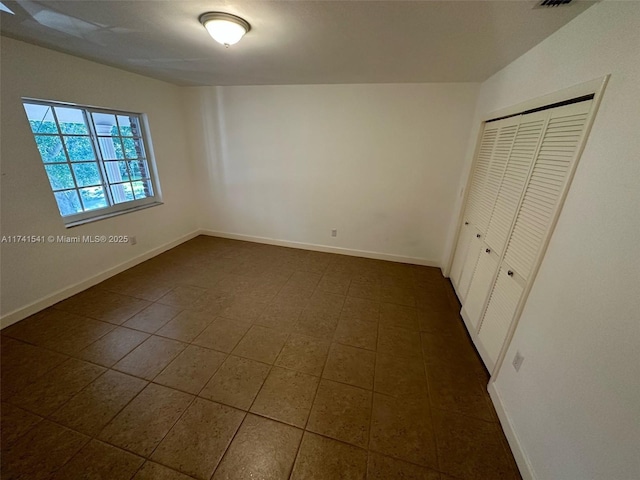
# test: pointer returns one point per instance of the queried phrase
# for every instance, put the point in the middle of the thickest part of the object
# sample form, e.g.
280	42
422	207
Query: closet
522	169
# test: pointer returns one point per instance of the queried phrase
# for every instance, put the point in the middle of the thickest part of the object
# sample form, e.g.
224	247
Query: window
97	160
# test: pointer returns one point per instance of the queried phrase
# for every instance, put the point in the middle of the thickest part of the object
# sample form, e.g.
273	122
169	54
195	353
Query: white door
545	187
479	289
495	146
501	308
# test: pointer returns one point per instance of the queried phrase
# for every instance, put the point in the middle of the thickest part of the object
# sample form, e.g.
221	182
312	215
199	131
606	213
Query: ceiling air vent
552	3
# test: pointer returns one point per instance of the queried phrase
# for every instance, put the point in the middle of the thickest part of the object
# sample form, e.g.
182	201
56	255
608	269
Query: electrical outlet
133	240
517	361
334	233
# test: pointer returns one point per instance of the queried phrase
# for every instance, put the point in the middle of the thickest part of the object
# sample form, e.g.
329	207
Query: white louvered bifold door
546	185
525	148
501	308
544	189
470	261
484	187
480	285
479	174
462	248
472	208
515	150
506	133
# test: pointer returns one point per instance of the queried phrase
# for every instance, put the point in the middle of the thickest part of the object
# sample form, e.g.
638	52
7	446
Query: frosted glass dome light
225	28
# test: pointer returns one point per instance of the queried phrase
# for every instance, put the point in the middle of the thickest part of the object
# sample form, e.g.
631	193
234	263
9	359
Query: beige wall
575	404
379	163
30	273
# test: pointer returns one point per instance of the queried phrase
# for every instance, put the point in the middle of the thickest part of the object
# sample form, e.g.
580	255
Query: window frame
113	209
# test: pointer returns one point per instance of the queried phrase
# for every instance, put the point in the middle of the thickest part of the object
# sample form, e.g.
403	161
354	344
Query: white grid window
97	160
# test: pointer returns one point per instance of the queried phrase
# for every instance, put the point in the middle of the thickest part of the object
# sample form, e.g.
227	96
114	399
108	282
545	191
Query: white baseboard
324	248
524	465
34	307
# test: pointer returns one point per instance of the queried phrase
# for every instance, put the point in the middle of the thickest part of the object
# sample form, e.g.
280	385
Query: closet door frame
594	87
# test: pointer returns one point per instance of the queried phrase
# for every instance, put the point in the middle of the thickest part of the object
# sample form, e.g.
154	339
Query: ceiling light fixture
225	28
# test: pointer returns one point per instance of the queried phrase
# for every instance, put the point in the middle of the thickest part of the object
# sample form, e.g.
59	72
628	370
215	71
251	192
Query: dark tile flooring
233	360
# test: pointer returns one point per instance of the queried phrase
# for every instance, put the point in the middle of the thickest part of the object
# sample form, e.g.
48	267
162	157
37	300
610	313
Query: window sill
111	214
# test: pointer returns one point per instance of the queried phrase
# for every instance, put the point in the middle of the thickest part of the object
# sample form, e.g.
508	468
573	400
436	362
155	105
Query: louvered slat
501	151
480	286
545	186
479	173
513	181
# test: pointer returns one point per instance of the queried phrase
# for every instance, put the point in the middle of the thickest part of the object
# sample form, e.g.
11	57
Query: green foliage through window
93	159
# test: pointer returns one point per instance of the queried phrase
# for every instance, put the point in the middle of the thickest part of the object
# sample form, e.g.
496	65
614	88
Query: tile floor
233	360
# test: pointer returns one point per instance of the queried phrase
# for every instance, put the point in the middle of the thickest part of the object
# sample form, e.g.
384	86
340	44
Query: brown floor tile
434	299
155	471
286	396
351	365
399	316
400	376
222	335
472	449
237	382
91	409
322	458
399	342
401	428
186	326
357	333
113	346
280	317
292	298
328	302
261	344
317	323
244	309
191	370
304	354
197	442
150	358
38	454
99	460
361	309
342	412
213	302
103	305
459	392
398	295
23	364
262	448
152	318
364	291
60	331
441	322
305	279
381	467
145	421
182	296
138	288
294	316
332	283
60	384
15	422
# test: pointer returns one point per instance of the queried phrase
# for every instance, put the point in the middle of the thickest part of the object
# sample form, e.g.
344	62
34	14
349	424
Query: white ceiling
294	42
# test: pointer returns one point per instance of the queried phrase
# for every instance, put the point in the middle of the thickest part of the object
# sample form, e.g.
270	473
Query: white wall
380	163
33	272
575	404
